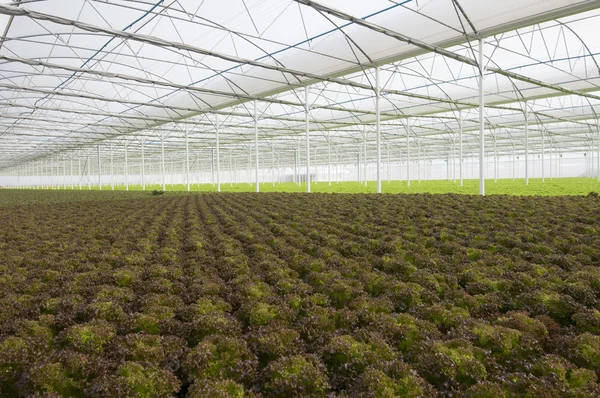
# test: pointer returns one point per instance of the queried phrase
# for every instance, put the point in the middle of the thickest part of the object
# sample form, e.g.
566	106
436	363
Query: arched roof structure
81	75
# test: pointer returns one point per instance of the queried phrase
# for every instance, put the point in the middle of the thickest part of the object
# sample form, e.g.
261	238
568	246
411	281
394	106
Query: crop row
281	295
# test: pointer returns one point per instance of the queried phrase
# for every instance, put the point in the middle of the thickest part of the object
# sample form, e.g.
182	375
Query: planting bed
281	295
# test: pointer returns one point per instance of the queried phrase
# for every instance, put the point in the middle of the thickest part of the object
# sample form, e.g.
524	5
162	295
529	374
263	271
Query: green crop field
297	295
555	187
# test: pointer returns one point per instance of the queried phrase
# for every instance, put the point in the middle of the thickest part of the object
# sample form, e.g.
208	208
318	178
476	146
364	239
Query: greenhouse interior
298	198
103	94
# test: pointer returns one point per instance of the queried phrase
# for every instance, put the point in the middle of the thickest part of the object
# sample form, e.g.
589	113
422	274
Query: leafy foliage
244	295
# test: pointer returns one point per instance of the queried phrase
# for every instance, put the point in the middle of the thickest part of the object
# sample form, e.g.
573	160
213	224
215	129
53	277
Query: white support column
249	173
187	160
378	127
126	171
419	160
453	154
598	147
593	155
526	113
460	138
306	110
329	158
198	169
481	111
296	179
495	159
514	160
72	176
389	164
112	176
358	166
273	163
99	171
143	171
543	157
218	144
551	156
278	166
212	166
232	171
338	166
89	166
365	178
407	154
162	167
172	173
79	171
256	164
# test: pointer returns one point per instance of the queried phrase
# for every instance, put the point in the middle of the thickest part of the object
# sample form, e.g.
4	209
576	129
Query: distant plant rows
18	197
279	295
550	187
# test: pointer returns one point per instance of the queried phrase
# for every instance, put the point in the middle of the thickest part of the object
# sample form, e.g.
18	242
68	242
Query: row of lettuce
277	295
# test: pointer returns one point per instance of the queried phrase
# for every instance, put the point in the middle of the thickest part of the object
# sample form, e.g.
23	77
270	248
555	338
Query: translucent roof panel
99	71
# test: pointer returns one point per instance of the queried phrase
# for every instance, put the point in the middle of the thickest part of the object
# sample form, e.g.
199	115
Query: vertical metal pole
72	176
378	127
419	160
143	168
590	158
212	166
389	164
543	157
481	110
598	147
526	144
453	155
79	171
99	171
306	109
514	171
315	168
198	169
273	163
249	173
407	154
296	167
279	166
337	166
256	147
172	173
187	161
89	166
460	136
365	167
126	171
551	156
329	158
495	159
112	177
232	172
218	143
533	164
358	166
162	162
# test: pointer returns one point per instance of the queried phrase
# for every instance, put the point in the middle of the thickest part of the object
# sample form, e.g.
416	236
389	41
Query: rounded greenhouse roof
91	73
